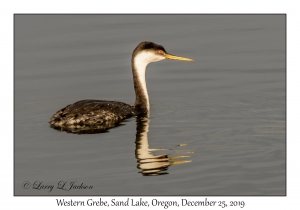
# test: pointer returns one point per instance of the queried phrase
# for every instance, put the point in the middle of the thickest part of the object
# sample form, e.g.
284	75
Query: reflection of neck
142	145
149	163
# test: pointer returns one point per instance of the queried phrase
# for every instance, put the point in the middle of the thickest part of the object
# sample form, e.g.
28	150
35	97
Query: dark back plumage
91	116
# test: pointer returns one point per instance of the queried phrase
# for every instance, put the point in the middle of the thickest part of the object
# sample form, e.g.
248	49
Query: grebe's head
147	52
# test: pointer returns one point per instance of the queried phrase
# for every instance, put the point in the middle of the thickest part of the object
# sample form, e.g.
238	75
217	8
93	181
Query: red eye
160	52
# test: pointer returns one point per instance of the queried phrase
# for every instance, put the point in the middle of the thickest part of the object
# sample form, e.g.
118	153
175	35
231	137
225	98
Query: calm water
217	125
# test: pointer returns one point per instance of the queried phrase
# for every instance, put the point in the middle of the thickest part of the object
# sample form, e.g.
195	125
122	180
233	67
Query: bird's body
95	115
88	115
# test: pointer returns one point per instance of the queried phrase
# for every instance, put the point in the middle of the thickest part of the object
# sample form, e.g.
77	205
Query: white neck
140	66
140	63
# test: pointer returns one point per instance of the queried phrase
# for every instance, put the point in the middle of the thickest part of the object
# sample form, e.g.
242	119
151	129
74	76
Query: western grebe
88	115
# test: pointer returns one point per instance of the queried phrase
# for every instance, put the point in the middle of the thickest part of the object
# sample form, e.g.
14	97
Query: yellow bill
174	57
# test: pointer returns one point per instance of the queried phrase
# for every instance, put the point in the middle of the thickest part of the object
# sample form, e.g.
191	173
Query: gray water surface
217	125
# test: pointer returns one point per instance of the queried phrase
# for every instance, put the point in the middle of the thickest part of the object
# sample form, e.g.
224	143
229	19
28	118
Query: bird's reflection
149	163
